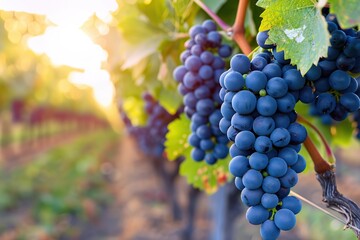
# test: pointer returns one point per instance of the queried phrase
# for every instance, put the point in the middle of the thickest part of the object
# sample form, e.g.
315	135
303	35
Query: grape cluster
333	88
259	97
356	115
151	137
203	63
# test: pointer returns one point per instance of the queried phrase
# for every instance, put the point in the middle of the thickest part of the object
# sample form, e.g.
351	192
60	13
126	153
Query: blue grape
276	87
269	231
242	122
263	126
257	214
255	81
271	184
252	179
263	144
269	200
285	219
261	38
251	197
266	106
238	166
291	203
277	167
240	63
258	161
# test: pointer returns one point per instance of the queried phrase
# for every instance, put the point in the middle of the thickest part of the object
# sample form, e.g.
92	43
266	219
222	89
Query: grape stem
213	15
334	200
238	29
321	166
329	153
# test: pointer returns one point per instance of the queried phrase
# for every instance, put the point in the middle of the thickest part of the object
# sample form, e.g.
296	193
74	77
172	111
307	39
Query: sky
66	44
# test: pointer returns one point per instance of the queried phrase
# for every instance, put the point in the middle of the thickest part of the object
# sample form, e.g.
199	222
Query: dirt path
141	210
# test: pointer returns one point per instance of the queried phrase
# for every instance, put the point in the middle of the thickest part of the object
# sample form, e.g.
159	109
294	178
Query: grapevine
203	62
246	107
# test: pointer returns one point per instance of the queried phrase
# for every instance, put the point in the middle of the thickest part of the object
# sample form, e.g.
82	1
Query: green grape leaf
346	11
134	108
203	176
298	28
170	100
199	174
182	8
214	5
176	144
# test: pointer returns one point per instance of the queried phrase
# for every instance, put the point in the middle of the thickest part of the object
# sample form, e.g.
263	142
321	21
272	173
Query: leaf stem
321	166
238	29
213	15
329	153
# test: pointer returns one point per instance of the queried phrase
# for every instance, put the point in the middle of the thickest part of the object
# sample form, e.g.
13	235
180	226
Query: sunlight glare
68	46
65	12
100	81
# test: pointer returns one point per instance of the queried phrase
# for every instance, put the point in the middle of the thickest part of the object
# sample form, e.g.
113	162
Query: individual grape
327	67
272	70
252	179
245	140
280	137
285	219
289	179
255	81
263	126
338	39
294	79
266	106
240	63
271	184
197	154
325	103
314	73
238	166
238	183
269	231
258	161
257	214
234	81
286	103
261	38
277	167
350	101
276	87
291	203
263	144
244	102
269	200
297	132
280	57
339	80
306	95
251	197
225	51
345	63
289	155
258	63
242	122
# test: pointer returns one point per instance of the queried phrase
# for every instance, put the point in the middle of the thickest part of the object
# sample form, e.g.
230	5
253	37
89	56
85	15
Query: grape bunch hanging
258	116
203	63
151	137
